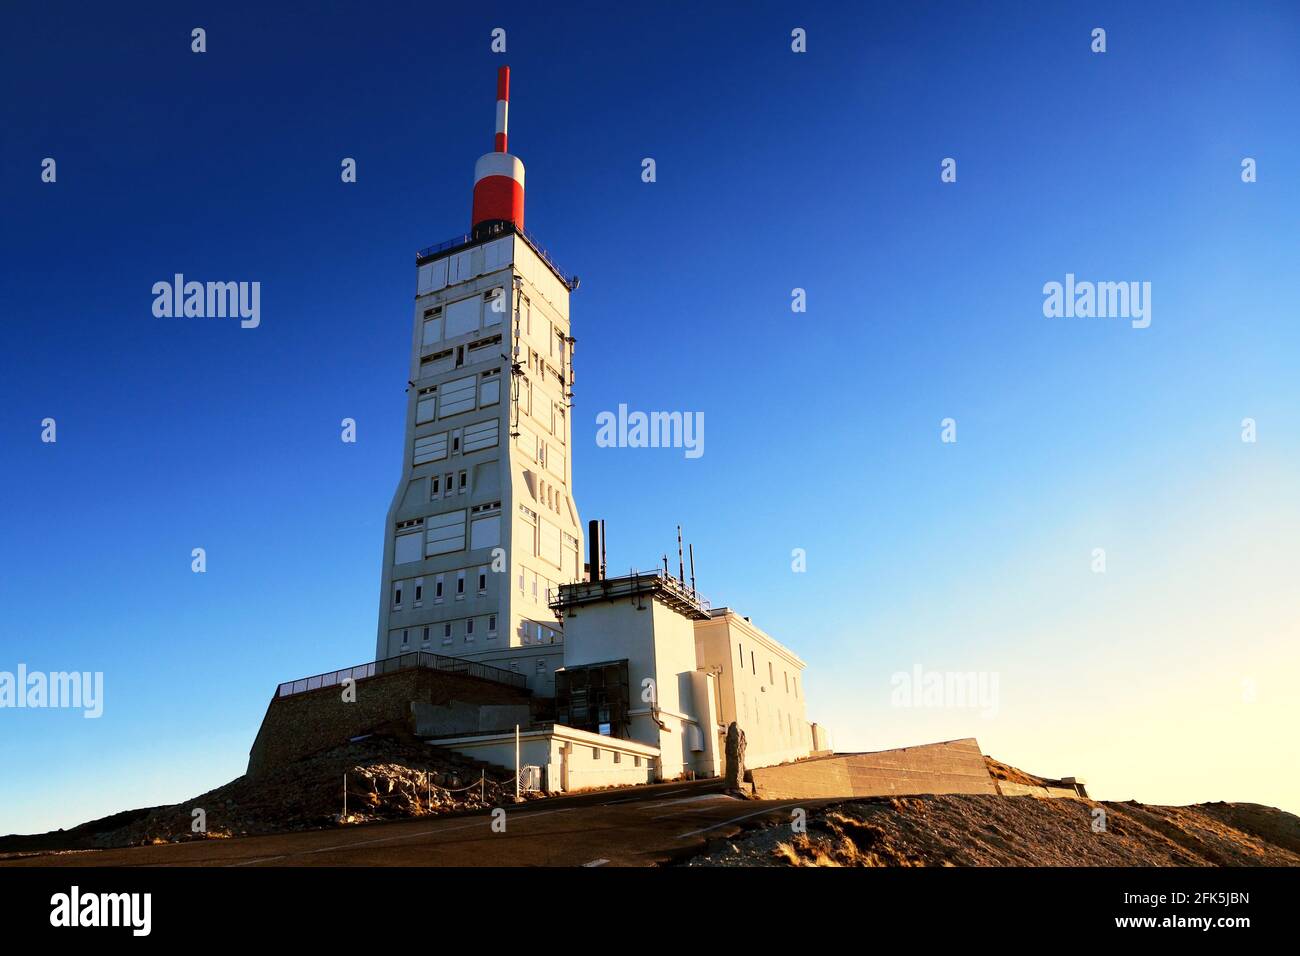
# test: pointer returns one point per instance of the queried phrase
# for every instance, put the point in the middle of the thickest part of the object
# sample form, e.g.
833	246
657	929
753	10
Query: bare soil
987	830
388	778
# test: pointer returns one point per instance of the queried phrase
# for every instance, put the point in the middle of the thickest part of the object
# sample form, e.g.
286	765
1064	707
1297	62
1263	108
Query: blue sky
775	170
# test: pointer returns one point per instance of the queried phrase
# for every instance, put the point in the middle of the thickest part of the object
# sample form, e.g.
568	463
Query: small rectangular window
469	628
446	632
460	583
492	623
437	588
595	753
482	581
397	595
435	486
419	593
406	636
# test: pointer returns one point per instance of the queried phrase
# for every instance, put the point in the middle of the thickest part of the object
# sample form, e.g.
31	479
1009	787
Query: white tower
483	522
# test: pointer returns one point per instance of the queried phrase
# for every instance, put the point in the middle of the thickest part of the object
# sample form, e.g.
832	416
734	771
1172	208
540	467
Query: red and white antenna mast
498	176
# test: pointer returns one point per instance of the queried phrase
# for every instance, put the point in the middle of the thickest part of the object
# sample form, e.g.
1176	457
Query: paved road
613	828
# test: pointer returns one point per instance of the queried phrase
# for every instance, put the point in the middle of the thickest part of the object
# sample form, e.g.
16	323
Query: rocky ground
394	777
388	778
986	830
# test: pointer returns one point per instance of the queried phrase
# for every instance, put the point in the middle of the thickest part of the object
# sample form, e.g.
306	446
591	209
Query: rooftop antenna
498	176
691	548
681	570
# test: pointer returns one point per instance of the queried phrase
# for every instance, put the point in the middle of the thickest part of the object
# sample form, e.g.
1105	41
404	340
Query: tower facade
483	523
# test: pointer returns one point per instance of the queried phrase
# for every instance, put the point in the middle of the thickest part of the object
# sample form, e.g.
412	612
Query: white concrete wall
659	645
605	762
763	693
710	763
674	650
572	759
508	471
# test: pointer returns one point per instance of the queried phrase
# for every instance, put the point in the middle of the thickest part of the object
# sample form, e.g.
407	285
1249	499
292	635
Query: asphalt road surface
641	827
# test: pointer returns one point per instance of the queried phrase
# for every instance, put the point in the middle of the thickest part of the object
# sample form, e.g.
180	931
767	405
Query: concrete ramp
954	766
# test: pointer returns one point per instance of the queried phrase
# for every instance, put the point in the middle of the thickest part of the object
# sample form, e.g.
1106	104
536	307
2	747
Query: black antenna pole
681	570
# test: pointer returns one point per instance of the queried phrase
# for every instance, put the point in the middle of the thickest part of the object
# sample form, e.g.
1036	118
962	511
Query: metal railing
492	232
390	665
682	590
633	583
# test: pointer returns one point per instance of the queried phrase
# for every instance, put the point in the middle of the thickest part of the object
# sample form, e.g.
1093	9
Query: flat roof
468	240
655	585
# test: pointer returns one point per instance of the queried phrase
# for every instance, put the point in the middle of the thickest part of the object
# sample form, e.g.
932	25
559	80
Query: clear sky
1170	678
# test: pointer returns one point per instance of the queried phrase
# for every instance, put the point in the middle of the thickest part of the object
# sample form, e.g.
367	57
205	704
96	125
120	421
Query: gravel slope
985	830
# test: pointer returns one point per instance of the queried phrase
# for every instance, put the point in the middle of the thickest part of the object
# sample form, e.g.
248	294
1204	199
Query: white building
760	687
691	671
652	678
483	523
483	550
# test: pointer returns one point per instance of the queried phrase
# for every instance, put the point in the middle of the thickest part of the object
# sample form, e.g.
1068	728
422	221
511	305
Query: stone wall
461	717
955	766
317	720
1009	789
